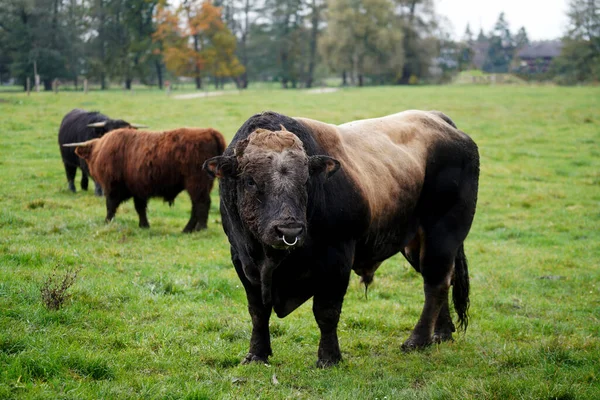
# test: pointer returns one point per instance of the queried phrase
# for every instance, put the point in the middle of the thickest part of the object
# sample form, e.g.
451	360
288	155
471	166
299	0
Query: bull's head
272	171
103	127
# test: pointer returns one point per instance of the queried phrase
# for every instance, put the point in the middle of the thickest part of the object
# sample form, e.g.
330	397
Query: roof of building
542	49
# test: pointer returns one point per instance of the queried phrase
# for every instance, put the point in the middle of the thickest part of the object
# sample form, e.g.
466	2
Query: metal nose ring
289	244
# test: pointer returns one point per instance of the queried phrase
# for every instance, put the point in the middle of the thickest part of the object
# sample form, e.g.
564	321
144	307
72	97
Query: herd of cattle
303	203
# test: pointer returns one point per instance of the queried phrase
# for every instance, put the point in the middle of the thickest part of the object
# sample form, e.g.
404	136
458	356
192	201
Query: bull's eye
250	182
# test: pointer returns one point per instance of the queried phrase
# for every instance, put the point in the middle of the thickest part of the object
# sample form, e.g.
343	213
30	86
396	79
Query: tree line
294	42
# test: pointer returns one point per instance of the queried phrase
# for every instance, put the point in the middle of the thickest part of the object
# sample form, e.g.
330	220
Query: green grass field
160	314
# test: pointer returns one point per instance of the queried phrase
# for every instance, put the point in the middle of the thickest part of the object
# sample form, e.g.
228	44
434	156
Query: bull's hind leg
443	326
71	171
141	206
436	265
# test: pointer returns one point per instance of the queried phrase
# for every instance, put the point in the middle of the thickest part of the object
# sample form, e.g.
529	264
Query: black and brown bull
304	202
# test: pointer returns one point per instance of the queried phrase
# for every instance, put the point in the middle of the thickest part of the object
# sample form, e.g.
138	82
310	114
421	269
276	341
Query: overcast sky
543	19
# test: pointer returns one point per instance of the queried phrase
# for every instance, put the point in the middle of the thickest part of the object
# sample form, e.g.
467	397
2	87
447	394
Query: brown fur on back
385	157
155	163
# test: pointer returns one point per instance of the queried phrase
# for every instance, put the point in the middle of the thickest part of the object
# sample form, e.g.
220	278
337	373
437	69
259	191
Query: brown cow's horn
80	144
97	124
138	126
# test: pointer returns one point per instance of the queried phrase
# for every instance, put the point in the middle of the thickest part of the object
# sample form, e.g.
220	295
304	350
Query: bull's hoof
99	193
72	188
325	363
439	337
253	358
415	343
144	226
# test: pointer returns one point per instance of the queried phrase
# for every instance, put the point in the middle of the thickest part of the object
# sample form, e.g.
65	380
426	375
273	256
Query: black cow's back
74	129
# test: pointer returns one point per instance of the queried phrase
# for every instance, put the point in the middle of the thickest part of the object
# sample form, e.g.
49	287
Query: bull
130	163
79	126
303	203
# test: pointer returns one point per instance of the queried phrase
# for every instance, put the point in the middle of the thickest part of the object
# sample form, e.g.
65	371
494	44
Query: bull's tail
460	289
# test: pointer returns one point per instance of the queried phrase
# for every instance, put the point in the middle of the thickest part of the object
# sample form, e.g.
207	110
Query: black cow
80	126
304	202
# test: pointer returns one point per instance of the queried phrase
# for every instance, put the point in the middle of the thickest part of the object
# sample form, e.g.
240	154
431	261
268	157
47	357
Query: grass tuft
55	288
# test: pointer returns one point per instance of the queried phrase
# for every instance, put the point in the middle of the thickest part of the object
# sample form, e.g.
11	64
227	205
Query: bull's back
158	164
386	157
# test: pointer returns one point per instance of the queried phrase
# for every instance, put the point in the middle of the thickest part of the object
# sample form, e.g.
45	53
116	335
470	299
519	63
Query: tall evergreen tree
521	38
580	57
502	47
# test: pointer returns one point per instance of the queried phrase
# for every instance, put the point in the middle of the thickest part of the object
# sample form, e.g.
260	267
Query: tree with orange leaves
201	43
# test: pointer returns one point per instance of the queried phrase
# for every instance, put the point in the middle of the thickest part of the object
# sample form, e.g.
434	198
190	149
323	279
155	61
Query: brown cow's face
272	171
86	152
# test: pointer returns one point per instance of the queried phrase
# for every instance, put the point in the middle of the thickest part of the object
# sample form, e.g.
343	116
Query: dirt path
322	90
198	95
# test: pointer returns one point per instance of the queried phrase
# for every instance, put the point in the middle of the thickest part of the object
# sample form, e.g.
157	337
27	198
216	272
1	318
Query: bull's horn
139	126
97	124
80	144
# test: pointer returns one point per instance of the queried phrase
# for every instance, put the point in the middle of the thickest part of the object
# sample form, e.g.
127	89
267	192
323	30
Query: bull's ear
221	166
85	151
323	164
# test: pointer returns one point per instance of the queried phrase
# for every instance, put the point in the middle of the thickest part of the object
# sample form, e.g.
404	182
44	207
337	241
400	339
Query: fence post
85	86
28	86
55	86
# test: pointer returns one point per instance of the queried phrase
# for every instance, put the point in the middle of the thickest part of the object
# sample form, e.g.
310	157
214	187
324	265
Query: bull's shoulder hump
326	135
388	157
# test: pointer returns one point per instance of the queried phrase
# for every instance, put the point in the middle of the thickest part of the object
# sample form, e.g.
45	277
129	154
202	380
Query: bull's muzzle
290	234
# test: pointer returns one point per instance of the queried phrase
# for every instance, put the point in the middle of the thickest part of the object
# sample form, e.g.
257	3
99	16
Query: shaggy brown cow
304	202
131	163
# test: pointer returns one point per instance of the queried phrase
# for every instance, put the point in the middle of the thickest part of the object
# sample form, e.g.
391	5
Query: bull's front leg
327	303
327	314
260	341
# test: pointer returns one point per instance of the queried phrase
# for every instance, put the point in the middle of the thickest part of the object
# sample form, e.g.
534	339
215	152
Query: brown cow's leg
112	203
203	209
200	208
140	207
98	189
